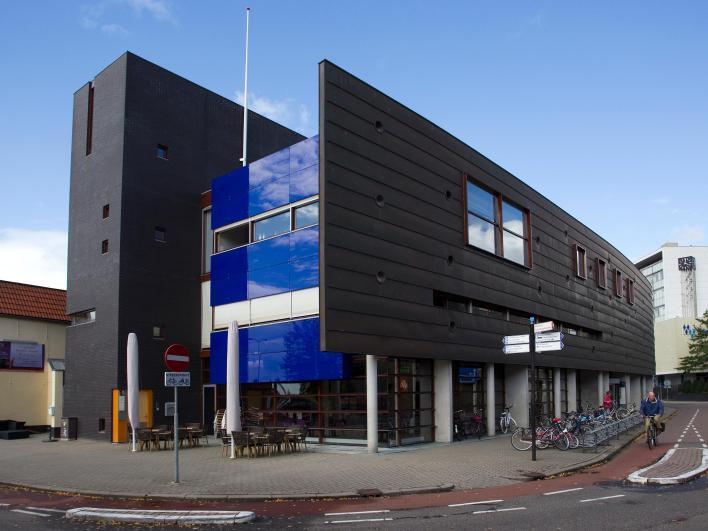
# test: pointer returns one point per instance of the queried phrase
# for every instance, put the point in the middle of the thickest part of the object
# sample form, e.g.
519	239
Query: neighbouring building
145	144
678	275
32	338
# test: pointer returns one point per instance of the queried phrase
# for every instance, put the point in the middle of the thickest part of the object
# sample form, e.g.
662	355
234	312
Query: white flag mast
245	94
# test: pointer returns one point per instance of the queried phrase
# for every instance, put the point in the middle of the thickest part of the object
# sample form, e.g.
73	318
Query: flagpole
245	94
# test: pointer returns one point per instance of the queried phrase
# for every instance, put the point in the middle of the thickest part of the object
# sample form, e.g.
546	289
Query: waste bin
69	428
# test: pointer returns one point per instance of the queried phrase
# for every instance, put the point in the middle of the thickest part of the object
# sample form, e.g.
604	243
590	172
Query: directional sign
549	336
515	340
177	379
177	358
543	327
549	345
516	349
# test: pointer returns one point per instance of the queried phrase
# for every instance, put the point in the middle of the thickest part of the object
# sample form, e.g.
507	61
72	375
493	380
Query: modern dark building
373	269
145	144
416	255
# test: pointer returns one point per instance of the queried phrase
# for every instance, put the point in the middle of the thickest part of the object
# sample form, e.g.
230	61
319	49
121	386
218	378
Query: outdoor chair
144	437
276	441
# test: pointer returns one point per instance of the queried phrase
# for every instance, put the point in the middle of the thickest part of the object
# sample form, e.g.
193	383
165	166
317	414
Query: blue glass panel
304	183
268	196
268	281
269	252
229	198
304	154
304	243
283	352
228	276
269	168
304	273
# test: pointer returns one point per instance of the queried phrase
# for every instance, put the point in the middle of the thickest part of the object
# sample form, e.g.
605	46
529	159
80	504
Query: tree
697	358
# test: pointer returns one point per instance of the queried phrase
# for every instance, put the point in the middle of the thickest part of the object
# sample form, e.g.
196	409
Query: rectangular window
618	282
232	238
481	217
89	121
514	244
161	151
104	247
87	316
581	266
158	331
601	273
208	241
106	211
630	291
306	215
160	234
271	226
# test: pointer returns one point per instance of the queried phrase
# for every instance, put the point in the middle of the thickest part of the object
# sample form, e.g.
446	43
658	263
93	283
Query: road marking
603	498
675	445
561	491
474	503
357	512
4	505
60	511
500	510
30	512
362	520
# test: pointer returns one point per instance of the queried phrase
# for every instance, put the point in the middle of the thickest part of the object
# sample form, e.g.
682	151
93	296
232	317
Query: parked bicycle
506	421
465	424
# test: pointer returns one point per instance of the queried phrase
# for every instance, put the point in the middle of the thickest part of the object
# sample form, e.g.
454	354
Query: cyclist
652	407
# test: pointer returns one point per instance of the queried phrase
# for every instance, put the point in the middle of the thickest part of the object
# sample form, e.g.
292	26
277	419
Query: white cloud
114	29
159	9
660	200
688	234
286	112
33	256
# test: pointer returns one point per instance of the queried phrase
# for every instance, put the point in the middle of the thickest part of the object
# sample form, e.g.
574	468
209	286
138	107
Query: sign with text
549	345
177	379
515	340
21	355
543	327
169	409
549	336
516	349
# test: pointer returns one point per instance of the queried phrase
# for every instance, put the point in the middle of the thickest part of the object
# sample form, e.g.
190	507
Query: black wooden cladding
392	226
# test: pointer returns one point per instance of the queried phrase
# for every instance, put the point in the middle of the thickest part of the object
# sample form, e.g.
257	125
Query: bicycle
506	421
465	425
652	433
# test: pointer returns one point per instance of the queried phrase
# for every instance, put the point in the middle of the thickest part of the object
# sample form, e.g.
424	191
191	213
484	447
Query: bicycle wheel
561	442
512	424
503	424
542	439
573	441
651	438
622	413
521	439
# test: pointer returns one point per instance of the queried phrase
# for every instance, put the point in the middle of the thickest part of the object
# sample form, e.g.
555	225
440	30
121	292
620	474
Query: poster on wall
21	355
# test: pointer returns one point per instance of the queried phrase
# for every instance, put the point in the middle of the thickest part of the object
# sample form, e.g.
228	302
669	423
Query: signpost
177	361
515	340
549	336
516	349
549	345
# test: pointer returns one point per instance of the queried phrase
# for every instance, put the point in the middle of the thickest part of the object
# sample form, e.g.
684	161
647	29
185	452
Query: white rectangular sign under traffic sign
543	327
550	345
515	340
516	349
177	379
549	336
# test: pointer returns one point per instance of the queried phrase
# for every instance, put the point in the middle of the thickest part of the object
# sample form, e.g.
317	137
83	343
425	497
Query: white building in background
679	279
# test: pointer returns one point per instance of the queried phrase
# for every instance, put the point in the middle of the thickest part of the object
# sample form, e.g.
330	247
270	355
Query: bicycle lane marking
562	491
603	498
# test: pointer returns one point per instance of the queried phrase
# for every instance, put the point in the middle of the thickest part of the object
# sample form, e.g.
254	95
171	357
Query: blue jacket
652	408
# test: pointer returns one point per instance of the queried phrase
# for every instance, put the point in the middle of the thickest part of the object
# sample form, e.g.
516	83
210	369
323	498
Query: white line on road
60	511
474	503
603	498
357	512
30	512
4	505
362	520
500	510
562	491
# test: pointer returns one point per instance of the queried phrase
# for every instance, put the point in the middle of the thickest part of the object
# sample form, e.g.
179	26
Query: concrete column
627	390
606	376
571	388
372	404
557	392
644	385
491	415
516	389
600	388
588	388
443	400
635	397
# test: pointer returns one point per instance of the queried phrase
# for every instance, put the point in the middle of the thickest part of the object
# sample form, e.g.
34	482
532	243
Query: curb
160	517
636	477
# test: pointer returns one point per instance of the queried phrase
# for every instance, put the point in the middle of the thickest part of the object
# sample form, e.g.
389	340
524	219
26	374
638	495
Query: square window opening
158	331
161	151
160	234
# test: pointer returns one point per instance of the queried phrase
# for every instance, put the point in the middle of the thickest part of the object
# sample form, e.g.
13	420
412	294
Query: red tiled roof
34	302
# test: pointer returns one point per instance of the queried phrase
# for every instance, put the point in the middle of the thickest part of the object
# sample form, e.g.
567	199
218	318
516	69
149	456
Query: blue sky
601	106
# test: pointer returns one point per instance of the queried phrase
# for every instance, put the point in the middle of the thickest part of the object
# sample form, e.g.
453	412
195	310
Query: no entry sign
177	358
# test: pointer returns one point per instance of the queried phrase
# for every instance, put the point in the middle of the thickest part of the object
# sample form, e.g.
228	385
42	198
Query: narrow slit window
161	151
106	211
89	121
630	291
160	234
601	273
618	282
581	266
104	247
514	233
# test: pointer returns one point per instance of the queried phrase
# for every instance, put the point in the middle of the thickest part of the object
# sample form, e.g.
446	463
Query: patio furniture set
162	437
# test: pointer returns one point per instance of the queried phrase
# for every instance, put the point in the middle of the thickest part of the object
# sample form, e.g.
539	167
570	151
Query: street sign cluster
546	340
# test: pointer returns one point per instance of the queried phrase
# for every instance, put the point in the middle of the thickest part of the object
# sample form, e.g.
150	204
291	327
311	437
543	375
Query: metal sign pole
532	339
176	440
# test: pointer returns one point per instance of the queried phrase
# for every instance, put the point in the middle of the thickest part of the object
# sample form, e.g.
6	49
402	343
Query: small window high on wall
630	291
601	273
581	266
618	282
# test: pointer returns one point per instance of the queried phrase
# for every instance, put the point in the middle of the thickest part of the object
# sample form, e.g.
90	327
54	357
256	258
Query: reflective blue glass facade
282	351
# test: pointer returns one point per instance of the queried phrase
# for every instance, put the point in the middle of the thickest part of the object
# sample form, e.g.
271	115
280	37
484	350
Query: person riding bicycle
652	407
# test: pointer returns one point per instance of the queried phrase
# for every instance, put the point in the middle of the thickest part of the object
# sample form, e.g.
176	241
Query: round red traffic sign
177	358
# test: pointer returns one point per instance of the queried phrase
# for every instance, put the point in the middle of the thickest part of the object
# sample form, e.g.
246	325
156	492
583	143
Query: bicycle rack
602	434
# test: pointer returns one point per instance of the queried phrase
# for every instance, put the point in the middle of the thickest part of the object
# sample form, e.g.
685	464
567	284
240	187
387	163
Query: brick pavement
98	467
680	461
